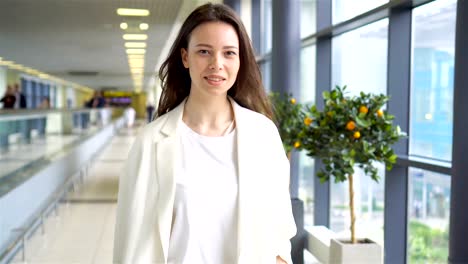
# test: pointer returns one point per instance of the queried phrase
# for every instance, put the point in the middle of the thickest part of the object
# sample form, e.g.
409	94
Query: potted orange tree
349	132
287	115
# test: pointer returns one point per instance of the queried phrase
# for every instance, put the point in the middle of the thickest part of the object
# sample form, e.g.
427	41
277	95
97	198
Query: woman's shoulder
151	130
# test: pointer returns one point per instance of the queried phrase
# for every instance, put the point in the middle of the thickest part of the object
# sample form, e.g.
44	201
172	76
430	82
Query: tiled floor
83	230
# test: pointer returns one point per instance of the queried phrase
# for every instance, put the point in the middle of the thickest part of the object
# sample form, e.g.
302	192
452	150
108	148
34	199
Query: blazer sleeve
286	225
131	226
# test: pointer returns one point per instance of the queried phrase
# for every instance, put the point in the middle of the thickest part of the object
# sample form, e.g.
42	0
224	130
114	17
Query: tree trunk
351	208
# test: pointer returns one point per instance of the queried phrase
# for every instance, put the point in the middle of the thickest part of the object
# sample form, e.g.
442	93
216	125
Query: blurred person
9	98
190	190
45	103
149	112
42	122
97	101
20	98
129	116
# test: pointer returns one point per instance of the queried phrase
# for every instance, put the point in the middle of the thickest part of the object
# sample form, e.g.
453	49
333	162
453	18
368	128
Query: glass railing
31	138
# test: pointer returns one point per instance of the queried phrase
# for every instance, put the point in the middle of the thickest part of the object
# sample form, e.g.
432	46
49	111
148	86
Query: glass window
359	59
308	62
306	164
308	17
265	68
368	205
267	26
361	66
431	119
428	211
345	9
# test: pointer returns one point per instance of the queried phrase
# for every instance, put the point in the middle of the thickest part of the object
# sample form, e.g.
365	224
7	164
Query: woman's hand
279	260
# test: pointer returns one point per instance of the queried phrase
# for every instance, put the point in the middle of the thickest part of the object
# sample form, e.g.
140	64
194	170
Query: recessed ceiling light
137	64
136	51
132	12
136	56
135	44
135	36
144	26
123	25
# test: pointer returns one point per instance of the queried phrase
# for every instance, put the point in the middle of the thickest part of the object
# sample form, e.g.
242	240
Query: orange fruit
293	101
357	135
363	109
351	125
297	144
307	121
380	113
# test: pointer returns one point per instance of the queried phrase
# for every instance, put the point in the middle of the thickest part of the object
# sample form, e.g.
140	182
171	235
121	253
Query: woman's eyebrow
209	46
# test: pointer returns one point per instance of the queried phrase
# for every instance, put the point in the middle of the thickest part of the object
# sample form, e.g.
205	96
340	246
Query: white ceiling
60	36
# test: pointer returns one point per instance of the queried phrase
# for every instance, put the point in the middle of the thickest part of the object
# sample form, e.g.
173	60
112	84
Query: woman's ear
184	55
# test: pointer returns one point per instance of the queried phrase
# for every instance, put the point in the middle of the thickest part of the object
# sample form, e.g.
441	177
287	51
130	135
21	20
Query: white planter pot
368	252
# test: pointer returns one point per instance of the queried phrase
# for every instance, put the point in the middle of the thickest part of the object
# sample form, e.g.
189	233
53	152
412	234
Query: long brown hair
247	90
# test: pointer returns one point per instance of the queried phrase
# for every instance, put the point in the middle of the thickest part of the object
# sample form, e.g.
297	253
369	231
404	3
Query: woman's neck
208	116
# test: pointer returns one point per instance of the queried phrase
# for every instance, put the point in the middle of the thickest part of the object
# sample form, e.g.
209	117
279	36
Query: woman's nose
216	63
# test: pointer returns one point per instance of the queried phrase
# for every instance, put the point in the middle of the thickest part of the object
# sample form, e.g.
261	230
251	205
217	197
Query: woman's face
212	58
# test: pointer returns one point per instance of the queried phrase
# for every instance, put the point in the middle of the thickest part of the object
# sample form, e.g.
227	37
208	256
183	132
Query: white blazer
147	190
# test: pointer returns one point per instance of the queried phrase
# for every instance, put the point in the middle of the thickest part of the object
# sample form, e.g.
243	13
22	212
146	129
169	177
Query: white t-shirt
204	225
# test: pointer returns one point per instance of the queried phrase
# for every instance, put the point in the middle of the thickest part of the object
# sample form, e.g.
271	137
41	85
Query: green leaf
326	95
362	122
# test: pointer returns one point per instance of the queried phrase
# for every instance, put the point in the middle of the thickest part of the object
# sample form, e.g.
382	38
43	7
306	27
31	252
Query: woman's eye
203	51
231	53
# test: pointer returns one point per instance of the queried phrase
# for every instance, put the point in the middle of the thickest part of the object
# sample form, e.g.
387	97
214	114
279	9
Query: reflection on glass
308	17
345	9
306	187
306	164
431	120
265	68
267	26
359	59
428	210
308	62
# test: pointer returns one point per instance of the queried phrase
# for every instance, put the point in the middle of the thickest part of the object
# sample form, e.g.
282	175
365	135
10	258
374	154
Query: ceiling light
135	56
123	26
132	12
135	44
137	64
135	36
136	61
144	26
141	59
136	51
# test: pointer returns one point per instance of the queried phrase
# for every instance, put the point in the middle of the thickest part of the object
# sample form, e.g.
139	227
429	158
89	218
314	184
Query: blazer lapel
167	155
245	163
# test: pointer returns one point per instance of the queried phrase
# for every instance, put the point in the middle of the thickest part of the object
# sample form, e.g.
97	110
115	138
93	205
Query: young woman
208	180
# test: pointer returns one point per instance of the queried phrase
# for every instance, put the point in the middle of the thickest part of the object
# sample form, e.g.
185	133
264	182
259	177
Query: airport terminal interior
79	80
